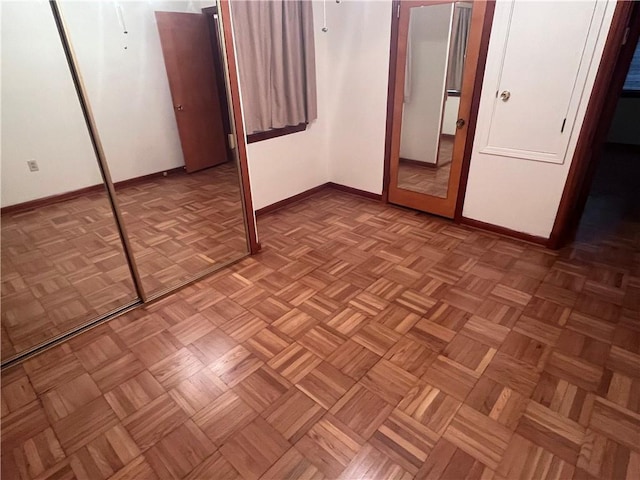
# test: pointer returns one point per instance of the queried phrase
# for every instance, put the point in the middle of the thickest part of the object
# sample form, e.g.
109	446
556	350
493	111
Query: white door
541	78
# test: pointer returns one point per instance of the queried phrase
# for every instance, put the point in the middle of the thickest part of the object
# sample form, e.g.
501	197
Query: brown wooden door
188	59
431	186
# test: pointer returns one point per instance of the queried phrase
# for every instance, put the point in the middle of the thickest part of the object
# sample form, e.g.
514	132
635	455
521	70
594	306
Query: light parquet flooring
427	179
365	341
63	264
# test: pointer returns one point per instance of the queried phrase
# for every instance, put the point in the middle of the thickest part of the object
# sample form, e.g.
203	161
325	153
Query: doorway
437	57
600	195
612	207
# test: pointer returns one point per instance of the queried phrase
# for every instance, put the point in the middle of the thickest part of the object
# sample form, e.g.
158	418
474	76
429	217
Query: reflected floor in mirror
62	264
183	224
427	178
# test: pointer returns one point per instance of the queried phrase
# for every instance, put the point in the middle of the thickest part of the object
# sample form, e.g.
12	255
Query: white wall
427	58
451	107
357	77
345	144
518	194
282	167
128	88
128	91
41	117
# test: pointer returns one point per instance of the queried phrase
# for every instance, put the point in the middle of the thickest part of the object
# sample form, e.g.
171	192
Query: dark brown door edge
393	54
475	104
225	13
477	88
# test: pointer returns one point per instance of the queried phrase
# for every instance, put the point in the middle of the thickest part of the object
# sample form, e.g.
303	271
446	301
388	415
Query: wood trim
151	176
418	163
53	199
288	201
224	13
276	132
506	232
355	191
391	88
308	193
475	106
600	109
218	64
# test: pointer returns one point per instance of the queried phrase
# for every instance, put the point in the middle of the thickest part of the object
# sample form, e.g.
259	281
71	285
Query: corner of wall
358	50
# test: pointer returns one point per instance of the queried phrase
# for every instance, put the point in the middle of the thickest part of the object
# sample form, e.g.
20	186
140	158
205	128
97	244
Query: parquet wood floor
429	180
365	341
63	264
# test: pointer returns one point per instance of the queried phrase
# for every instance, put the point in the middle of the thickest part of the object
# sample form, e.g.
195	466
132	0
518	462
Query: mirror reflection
436	48
155	83
153	72
63	262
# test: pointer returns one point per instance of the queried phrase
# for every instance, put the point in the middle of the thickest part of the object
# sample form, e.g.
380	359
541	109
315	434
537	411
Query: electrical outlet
33	165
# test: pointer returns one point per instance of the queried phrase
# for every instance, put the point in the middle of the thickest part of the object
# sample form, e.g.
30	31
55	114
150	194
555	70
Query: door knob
179	108
505	95
460	123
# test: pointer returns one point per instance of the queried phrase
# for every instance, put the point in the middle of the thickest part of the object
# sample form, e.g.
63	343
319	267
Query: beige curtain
276	60
458	49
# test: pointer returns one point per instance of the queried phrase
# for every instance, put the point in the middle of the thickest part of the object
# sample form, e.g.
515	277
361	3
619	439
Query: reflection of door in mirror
189	62
432	101
163	130
63	262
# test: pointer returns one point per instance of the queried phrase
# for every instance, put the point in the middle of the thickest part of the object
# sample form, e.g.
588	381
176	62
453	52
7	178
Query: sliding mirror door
153	75
63	262
438	48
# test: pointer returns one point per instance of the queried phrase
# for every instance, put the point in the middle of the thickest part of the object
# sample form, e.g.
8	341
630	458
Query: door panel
188	60
525	77
435	38
425	81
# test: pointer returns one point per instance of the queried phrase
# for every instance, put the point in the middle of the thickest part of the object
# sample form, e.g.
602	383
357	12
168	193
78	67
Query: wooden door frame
607	87
233	83
218	63
473	114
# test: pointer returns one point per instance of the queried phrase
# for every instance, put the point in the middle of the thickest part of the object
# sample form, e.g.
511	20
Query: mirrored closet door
435	76
63	261
119	184
153	76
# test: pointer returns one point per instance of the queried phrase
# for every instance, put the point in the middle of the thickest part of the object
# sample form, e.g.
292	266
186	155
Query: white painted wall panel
41	116
357	77
542	55
430	33
128	91
517	193
451	107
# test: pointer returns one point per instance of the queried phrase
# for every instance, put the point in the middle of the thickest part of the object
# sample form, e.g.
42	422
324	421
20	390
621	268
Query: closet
99	213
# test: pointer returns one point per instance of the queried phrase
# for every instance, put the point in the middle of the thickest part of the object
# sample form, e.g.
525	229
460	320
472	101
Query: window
632	82
276	60
458	48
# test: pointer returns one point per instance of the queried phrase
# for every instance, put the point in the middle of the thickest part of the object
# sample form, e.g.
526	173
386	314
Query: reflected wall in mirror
63	263
153	75
436	47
